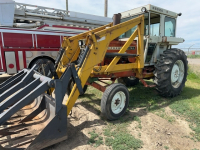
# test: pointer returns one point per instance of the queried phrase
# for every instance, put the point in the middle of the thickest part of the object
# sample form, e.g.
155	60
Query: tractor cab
159	30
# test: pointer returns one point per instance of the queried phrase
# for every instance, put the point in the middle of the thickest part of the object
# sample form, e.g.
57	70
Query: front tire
115	101
171	72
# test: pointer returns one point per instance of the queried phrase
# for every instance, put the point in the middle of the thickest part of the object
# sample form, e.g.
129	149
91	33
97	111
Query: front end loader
33	115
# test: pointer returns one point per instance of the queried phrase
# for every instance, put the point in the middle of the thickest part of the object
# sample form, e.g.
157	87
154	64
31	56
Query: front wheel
115	101
171	72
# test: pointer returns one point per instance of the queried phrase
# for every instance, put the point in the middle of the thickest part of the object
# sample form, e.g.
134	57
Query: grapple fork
29	114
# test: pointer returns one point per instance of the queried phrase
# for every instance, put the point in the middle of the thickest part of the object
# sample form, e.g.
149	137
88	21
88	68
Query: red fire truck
20	48
29	33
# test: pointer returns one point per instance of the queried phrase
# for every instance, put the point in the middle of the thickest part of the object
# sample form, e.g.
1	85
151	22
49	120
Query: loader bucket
29	117
36	126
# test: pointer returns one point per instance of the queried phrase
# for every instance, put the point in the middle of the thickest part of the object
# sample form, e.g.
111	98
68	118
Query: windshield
129	32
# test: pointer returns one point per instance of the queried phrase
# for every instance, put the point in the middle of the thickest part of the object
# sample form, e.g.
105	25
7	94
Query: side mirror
179	14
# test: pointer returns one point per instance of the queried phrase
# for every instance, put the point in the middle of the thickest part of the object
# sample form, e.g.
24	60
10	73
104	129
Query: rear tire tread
163	69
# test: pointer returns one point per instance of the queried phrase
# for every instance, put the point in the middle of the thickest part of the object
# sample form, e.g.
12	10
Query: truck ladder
45	15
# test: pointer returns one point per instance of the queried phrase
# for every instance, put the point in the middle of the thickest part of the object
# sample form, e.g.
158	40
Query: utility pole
67	5
106	8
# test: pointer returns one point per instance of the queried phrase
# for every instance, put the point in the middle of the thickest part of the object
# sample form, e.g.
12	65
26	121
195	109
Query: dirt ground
194	64
4	77
193	61
156	132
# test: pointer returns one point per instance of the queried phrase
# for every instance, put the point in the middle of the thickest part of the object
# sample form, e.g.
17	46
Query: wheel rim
118	102
177	73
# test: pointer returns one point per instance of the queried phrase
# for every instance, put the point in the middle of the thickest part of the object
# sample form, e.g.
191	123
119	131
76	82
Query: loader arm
72	49
98	41
28	94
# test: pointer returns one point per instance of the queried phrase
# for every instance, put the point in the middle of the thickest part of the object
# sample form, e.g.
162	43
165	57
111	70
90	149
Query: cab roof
150	8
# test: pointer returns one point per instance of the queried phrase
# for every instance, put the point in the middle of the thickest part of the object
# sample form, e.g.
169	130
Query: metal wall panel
18	40
1	62
10	62
21	61
46	41
7	10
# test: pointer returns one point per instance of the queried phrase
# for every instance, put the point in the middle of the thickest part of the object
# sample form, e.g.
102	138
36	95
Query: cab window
129	32
154	24
170	25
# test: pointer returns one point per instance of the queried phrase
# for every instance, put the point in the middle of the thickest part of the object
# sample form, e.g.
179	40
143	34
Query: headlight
143	9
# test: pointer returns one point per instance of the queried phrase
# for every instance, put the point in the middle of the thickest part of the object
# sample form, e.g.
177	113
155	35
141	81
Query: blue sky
187	26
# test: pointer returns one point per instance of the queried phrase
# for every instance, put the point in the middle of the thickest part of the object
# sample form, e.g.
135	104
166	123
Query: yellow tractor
136	46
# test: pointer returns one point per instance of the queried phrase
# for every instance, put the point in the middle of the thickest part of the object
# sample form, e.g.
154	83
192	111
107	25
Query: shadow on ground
146	99
76	137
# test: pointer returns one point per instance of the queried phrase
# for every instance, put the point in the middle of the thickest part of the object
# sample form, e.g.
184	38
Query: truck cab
159	31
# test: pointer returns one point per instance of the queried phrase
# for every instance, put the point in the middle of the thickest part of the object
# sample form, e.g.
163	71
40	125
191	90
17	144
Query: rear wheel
128	81
115	101
171	72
